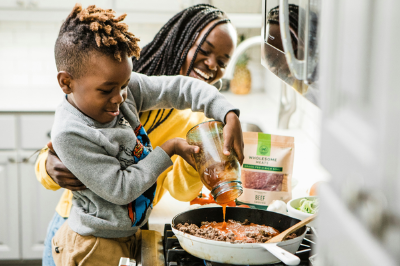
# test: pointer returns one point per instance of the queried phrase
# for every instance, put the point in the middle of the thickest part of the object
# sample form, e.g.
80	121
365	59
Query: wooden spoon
284	234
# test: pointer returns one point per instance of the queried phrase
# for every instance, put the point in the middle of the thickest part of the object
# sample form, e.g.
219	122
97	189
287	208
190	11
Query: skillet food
234	232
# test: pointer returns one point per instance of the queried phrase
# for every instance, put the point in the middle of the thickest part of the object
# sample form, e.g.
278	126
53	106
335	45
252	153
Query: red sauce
206	199
224	212
240	230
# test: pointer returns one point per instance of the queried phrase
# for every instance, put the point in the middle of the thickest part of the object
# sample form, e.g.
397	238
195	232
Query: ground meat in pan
238	232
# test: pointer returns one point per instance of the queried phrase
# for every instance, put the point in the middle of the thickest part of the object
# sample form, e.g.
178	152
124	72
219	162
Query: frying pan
234	253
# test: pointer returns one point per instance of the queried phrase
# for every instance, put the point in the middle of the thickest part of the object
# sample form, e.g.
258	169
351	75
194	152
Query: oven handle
297	67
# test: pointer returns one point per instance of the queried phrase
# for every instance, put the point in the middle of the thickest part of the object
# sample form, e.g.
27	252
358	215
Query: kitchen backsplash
27	53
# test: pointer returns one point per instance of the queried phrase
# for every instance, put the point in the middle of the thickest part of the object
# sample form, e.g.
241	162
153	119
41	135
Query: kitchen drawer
35	130
7	132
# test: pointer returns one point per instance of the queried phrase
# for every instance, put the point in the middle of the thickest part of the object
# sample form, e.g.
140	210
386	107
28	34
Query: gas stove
174	255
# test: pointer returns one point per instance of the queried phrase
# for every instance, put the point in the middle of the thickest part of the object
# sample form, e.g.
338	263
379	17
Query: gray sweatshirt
115	161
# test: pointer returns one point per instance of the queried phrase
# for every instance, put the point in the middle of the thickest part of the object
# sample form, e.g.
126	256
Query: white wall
27	57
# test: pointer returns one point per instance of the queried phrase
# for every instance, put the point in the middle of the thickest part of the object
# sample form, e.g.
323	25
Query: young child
98	136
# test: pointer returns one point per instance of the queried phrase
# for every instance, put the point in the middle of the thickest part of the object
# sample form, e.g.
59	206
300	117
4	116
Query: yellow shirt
180	180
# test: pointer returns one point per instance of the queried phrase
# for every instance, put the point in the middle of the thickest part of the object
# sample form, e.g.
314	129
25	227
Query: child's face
100	92
214	55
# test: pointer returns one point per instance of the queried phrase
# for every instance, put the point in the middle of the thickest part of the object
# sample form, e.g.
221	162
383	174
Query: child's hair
92	29
167	52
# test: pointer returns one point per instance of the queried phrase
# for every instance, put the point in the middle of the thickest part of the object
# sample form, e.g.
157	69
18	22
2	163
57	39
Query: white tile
36	25
34	66
49	38
7	66
40	53
50	67
46	80
7	37
28	38
13	52
14	80
13	25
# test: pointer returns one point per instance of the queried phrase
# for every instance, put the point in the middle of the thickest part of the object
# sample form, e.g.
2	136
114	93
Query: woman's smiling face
214	55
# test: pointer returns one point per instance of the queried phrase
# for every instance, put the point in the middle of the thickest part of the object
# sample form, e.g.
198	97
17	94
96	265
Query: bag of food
267	168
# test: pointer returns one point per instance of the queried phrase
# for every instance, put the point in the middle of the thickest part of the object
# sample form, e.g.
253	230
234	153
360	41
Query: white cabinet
8	132
37	208
9	202
35	131
26	207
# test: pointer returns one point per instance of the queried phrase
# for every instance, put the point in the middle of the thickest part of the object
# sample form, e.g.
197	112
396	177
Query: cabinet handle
20	3
24	160
33	3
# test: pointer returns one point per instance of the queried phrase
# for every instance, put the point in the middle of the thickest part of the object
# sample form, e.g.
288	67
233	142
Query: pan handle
285	256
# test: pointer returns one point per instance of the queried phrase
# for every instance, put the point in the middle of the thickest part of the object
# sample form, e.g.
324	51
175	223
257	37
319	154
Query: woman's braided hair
90	29
273	18
167	52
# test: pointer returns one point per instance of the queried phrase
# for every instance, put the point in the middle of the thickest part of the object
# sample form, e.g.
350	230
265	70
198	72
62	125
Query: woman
196	42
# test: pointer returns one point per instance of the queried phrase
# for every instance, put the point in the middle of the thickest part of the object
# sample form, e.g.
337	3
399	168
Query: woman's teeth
201	73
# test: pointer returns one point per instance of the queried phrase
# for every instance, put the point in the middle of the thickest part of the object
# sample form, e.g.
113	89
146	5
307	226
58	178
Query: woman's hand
233	137
180	147
59	173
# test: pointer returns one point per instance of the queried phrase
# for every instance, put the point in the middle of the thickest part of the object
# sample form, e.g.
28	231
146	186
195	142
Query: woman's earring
218	84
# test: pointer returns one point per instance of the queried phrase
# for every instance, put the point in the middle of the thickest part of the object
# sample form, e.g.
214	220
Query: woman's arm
41	173
179	92
52	173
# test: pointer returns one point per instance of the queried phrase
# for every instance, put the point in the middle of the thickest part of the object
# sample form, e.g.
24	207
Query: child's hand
233	137
180	147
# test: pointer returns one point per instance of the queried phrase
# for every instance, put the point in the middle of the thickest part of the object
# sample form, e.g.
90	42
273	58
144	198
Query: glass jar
218	172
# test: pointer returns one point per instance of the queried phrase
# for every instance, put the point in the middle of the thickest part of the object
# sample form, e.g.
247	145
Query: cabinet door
9	224
8	139
35	130
37	208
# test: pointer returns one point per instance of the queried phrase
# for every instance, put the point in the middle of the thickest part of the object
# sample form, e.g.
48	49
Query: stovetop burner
175	256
